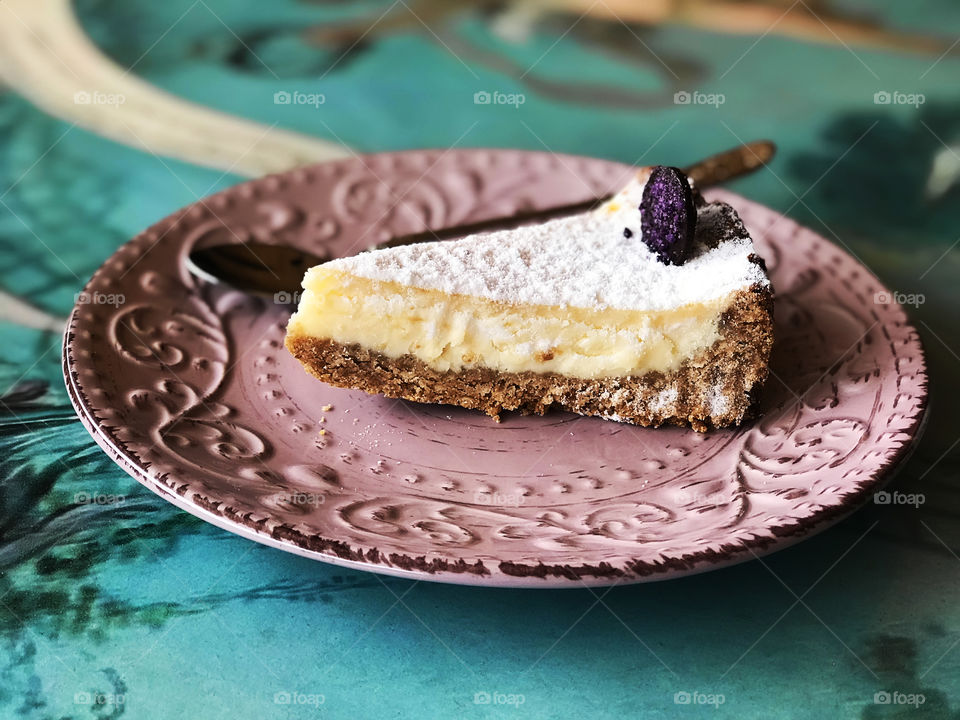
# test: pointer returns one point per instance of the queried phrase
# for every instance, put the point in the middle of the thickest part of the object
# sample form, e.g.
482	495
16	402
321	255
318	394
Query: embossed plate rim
781	536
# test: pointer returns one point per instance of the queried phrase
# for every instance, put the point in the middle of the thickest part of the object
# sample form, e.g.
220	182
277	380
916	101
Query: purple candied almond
668	216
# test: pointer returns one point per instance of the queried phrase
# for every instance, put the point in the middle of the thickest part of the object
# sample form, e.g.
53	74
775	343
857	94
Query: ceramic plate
188	387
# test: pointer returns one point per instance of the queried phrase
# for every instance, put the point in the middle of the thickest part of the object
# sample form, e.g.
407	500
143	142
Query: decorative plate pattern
188	387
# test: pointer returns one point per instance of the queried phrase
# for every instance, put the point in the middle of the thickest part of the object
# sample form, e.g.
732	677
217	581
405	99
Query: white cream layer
451	332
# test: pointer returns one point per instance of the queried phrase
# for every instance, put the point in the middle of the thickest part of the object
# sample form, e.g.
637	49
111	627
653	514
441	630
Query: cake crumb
327	408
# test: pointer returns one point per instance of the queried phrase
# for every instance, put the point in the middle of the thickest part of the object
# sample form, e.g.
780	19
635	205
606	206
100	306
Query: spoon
277	270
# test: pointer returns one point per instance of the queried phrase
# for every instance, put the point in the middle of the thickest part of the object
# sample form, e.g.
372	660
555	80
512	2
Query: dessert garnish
668	215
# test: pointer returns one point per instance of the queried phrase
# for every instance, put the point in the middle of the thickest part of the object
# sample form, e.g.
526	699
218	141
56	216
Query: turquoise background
135	608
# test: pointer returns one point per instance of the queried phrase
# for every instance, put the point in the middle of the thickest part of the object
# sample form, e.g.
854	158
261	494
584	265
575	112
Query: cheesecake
653	308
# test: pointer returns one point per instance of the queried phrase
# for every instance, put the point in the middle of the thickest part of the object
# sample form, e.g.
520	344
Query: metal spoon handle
731	164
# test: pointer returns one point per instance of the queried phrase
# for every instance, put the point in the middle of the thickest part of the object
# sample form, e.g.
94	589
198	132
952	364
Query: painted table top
113	601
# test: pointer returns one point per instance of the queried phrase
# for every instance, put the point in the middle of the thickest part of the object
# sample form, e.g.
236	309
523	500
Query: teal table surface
114	603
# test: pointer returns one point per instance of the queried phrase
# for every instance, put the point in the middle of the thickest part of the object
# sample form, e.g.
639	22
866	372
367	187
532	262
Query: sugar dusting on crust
718	402
580	261
664	400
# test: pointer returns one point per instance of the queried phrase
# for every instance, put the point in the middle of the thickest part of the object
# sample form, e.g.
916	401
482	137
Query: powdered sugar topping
581	261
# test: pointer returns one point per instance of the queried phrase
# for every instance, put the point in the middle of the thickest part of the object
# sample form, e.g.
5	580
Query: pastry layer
714	388
455	332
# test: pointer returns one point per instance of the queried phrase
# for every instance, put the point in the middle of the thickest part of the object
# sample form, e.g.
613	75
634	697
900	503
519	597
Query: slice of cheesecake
651	309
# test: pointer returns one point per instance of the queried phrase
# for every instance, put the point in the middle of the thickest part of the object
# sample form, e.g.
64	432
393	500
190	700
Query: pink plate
188	387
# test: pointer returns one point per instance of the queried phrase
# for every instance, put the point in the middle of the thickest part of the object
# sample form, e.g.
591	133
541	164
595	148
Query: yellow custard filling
451	332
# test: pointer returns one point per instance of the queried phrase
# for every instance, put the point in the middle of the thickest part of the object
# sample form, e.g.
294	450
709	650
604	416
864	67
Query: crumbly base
716	388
